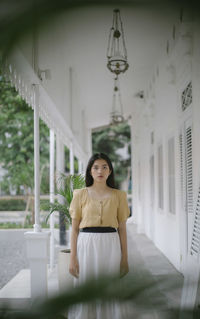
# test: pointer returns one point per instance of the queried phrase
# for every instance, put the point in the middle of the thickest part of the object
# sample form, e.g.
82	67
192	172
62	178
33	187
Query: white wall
161	113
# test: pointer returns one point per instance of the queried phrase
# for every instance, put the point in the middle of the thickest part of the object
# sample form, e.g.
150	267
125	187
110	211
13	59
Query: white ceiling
81	38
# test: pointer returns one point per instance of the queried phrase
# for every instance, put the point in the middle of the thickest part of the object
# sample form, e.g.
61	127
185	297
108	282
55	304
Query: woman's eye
96	167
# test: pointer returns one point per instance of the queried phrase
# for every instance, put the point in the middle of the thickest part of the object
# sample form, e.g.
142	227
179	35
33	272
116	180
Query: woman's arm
74	266
124	269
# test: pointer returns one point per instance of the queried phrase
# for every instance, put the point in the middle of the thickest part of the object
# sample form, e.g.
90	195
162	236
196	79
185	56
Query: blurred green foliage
17	143
12	205
139	293
66	184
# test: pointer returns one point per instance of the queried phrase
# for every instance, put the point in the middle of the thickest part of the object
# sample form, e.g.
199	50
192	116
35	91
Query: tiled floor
149	266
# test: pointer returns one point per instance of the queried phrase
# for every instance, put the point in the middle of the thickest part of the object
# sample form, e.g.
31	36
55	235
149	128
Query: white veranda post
80	171
60	157
71	158
36	226
37	240
52	195
132	170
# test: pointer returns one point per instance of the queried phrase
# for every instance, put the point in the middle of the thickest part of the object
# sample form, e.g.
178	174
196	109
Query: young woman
98	238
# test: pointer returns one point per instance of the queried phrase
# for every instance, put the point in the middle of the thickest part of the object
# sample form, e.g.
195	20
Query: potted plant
65	187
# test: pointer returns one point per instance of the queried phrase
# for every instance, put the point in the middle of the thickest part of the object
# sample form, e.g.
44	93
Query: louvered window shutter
160	177
189	179
181	164
171	176
139	182
152	179
195	245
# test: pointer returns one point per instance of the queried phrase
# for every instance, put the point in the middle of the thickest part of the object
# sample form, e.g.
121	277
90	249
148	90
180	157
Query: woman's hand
124	269
74	267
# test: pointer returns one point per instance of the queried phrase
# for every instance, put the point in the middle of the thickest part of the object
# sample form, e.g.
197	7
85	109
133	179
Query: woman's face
100	170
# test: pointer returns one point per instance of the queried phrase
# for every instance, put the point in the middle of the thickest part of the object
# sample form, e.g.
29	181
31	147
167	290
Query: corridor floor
148	266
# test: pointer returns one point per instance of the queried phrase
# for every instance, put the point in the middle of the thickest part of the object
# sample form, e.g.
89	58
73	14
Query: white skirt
97	253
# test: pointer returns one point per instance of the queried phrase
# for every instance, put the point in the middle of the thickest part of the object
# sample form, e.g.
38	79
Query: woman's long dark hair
89	179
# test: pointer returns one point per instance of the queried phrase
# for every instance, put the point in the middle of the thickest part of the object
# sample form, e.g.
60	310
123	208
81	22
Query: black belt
98	229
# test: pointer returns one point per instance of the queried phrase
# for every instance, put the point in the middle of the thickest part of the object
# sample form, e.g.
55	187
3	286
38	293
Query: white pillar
37	253
36	226
136	207
132	219
59	158
84	166
89	142
52	164
71	158
59	170
37	241
80	170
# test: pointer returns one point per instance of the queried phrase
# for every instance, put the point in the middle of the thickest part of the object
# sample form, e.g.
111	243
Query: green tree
17	142
110	140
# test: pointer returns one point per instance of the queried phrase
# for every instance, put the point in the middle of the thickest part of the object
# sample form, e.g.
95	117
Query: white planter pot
65	279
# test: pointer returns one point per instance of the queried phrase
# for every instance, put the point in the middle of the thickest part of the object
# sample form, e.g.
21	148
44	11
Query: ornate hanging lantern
117	107
116	52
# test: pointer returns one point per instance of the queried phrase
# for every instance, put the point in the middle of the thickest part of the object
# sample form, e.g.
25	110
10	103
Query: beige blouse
99	212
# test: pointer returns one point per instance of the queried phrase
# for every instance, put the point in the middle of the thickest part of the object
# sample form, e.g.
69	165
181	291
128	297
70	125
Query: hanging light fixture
117	107
116	52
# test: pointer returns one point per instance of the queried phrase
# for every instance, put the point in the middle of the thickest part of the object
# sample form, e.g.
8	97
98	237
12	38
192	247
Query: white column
52	164
84	166
37	241
36	226
59	170
71	158
132	219
59	158
80	170
89	141
136	207
37	253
